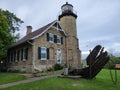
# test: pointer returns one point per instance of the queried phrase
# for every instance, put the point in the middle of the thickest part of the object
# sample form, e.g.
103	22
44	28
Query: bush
50	69
113	60
23	70
58	67
13	70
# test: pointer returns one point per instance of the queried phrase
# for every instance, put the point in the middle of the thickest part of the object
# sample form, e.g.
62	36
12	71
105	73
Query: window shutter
26	53
47	36
47	53
14	55
55	38
61	40
21	54
39	52
18	54
11	56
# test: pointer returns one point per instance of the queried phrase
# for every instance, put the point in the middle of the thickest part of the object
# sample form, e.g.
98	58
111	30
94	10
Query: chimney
29	29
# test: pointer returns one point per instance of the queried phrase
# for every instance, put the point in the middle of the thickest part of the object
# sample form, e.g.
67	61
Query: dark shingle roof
33	34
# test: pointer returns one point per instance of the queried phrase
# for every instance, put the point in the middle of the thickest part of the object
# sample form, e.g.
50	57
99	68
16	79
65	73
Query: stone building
55	42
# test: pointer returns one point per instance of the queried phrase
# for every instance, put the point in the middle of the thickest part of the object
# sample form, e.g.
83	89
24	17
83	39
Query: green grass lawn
101	82
10	77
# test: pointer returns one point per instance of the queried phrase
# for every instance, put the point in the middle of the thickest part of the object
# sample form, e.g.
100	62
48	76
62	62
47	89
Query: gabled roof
36	33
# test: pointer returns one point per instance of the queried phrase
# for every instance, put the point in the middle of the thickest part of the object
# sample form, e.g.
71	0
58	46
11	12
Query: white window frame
58	39
59	56
24	54
51	37
44	52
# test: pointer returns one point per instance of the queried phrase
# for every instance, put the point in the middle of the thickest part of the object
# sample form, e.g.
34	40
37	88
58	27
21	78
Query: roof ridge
44	26
33	34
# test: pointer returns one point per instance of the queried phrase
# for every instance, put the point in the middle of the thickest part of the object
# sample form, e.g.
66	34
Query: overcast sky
98	21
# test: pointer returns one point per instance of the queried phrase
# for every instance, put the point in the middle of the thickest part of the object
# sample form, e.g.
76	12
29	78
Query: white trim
44	52
59	56
56	28
59	37
30	42
44	31
24	59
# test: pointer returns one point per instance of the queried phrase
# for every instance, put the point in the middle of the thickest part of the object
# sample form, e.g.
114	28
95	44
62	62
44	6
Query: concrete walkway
26	81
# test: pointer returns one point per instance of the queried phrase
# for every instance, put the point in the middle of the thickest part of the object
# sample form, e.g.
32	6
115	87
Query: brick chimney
29	29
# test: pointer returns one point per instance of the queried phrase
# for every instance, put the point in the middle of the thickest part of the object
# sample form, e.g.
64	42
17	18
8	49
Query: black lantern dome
67	10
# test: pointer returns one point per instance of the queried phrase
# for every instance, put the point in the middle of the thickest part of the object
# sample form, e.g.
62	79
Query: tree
113	60
3	34
9	24
13	21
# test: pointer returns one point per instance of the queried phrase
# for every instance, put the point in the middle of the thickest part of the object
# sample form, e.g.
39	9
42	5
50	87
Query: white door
59	56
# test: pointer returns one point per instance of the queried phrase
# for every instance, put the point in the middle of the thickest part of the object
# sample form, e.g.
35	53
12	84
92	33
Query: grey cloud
98	21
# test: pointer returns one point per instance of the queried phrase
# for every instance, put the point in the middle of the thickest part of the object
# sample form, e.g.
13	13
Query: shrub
14	70
113	60
58	67
23	70
50	69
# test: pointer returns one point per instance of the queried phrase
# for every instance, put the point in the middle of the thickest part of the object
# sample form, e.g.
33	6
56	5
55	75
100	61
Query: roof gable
39	32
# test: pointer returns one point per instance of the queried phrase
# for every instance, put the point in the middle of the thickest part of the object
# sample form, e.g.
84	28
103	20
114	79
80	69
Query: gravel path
26	81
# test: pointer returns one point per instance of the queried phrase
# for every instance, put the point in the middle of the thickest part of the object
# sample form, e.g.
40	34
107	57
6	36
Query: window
10	57
54	38
24	54
21	54
50	37
43	53
59	56
16	56
58	39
